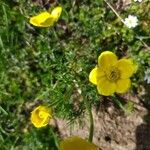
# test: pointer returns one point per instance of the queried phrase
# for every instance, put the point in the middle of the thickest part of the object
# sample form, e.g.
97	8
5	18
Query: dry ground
113	130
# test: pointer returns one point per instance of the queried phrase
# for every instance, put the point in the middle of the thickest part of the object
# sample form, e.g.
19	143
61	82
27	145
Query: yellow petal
40	116
44	19
123	85
76	143
45	121
56	12
43	114
105	87
35	119
48	22
100	72
95	74
126	67
107	59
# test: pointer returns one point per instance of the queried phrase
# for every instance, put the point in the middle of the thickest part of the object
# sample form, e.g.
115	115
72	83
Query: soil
113	129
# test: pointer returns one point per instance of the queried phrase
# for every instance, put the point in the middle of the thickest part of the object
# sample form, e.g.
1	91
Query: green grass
49	65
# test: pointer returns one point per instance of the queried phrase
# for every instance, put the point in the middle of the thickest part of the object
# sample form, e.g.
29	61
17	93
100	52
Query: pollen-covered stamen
113	74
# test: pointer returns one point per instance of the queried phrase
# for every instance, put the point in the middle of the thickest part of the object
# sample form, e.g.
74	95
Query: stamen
113	74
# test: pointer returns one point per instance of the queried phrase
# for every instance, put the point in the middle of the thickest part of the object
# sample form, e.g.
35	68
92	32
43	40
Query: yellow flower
76	143
41	116
112	75
46	19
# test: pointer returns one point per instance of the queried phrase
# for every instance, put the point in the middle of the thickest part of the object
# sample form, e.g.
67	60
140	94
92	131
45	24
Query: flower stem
55	138
114	11
89	108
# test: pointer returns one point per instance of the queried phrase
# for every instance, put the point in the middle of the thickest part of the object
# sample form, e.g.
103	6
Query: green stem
55	138
89	108
114	10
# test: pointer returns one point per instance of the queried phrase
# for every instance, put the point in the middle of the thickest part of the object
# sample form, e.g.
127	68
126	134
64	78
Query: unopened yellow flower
46	19
112	75
76	143
41	116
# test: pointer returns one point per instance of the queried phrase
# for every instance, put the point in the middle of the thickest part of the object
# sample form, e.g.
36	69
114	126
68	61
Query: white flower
147	76
138	0
131	21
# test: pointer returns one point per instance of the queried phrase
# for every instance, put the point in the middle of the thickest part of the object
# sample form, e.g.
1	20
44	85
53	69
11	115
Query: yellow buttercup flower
46	19
76	143
112	75
41	116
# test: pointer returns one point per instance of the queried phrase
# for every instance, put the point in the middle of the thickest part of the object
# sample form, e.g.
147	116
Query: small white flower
138	0
147	76
131	21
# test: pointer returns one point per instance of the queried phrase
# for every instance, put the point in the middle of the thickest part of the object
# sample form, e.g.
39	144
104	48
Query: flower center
113	74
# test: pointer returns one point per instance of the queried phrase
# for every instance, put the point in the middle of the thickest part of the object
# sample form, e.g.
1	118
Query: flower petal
56	12
40	116
95	74
35	119
76	143
48	22
126	67
45	121
107	59
123	85
44	19
105	87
